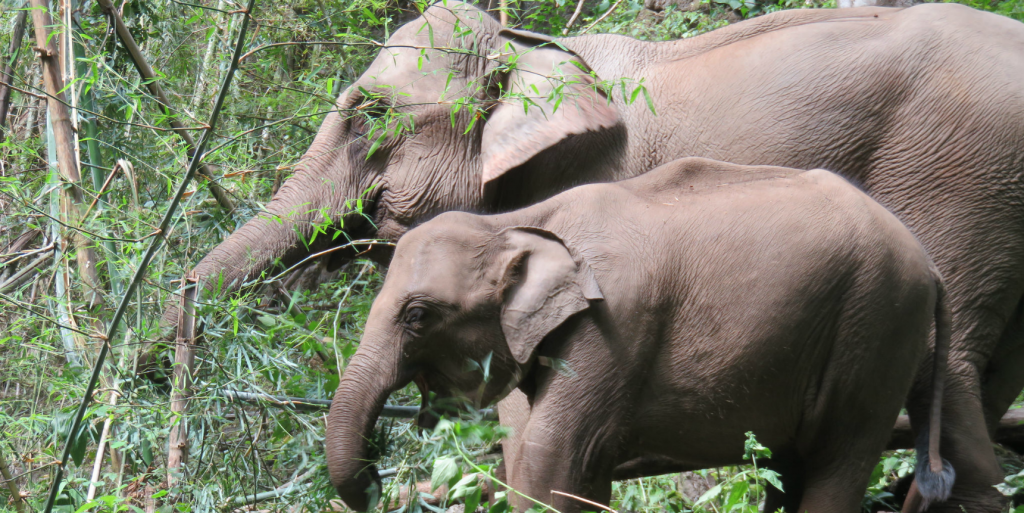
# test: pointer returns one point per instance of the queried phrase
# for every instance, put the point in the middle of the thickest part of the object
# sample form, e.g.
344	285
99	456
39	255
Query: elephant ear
550	95
542	286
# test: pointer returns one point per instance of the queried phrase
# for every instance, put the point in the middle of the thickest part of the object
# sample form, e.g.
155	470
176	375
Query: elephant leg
552	469
1003	379
966	445
790	469
836	475
513	413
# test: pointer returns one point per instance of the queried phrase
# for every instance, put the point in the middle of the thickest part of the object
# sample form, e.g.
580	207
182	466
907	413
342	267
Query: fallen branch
1009	432
150	78
25	273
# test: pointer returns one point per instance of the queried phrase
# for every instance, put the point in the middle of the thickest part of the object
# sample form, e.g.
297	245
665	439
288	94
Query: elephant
923	108
699	301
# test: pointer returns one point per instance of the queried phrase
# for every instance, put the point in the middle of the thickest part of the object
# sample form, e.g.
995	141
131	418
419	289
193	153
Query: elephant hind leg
791	472
966	445
1003	379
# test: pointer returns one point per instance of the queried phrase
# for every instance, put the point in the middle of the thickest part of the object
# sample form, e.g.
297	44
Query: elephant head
451	103
458	290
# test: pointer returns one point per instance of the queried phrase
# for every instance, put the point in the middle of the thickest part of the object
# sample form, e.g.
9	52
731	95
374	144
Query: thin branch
42	95
140	272
31	308
292	43
585	501
575	14
87	232
200	7
603	16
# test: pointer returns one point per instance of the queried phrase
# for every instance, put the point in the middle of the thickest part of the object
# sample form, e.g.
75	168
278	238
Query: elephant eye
416	318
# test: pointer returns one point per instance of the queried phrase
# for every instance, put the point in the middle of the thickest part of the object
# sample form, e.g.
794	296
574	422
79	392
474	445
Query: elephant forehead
442	267
411	75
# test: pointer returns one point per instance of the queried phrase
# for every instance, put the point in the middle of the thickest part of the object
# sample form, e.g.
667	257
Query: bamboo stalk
5	472
152	83
147	257
7	72
211	45
181	383
98	464
59	310
64	139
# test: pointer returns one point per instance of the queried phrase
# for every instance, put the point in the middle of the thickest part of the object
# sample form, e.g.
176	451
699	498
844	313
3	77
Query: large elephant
689	306
921	107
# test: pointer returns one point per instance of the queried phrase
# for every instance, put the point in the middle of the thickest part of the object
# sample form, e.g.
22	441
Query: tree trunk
64	137
7	72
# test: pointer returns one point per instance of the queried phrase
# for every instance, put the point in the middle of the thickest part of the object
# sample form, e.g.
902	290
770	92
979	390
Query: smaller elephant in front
665	316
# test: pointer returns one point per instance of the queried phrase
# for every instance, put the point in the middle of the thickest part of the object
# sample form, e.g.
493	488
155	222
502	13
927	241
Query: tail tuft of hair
933	486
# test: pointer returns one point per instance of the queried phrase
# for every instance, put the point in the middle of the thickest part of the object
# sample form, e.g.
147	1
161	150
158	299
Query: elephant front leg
567	468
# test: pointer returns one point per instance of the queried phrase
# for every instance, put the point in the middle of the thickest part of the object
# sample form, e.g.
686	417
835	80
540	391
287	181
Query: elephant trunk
368	381
282	234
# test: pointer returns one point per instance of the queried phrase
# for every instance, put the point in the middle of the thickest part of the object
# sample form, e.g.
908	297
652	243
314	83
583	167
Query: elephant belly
709	436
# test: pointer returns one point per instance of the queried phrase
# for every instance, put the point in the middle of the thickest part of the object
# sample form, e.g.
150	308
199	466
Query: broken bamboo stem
181	383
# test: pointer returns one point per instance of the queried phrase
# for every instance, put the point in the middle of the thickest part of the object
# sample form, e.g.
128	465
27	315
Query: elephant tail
935	475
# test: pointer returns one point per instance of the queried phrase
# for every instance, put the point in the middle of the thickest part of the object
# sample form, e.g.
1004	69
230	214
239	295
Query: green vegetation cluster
282	338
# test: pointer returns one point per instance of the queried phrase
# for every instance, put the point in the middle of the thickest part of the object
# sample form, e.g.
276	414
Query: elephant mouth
427	418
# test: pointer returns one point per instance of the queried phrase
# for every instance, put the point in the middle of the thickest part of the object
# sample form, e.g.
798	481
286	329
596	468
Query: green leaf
267	320
736	496
710	494
374	146
647	98
771	476
445	470
87	505
473	498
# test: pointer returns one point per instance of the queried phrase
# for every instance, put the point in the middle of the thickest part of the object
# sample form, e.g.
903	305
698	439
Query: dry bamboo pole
7	71
5	472
204	71
151	80
181	383
98	464
64	139
147	258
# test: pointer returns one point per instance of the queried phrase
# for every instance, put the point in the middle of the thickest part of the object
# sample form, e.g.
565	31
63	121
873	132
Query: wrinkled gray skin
923	108
691	305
